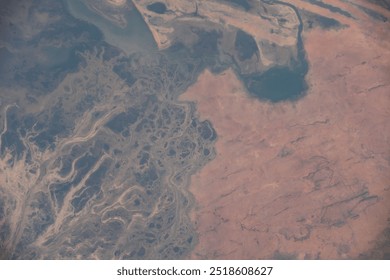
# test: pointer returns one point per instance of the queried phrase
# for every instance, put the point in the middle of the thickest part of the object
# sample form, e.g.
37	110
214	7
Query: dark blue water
327	23
373	14
277	84
330	8
245	45
281	83
157	7
241	3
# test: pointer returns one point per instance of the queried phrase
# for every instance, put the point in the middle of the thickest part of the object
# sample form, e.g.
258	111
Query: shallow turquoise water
135	37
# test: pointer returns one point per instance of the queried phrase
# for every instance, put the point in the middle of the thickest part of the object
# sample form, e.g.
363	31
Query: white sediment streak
116	2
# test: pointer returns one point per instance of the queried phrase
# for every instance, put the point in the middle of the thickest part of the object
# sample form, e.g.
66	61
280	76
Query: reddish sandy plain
308	179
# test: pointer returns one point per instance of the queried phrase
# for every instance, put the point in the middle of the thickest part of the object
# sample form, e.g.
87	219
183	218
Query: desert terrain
306	179
220	129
